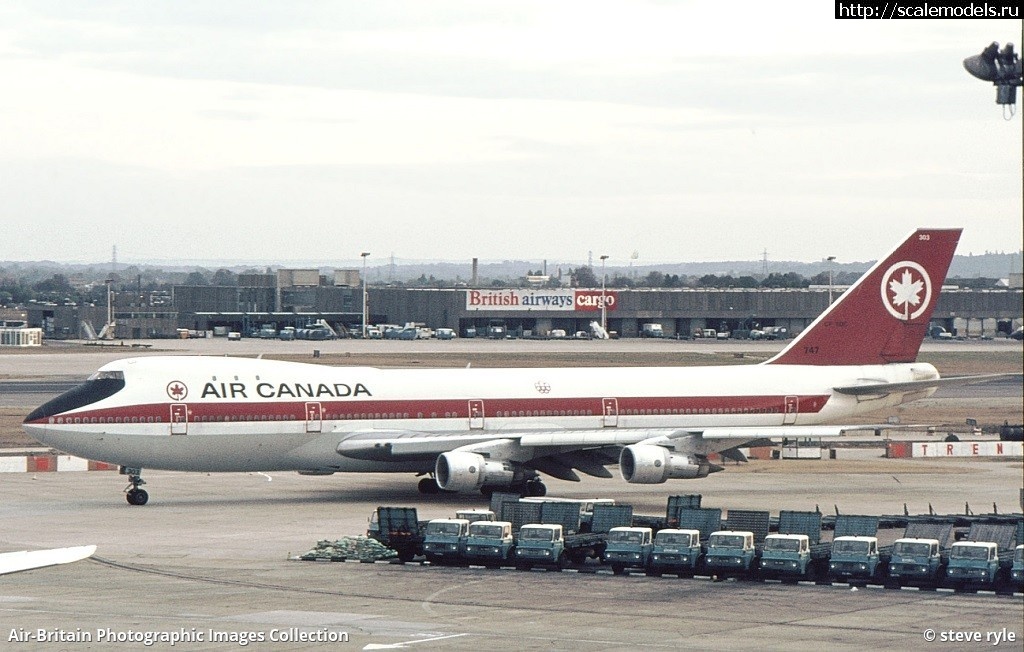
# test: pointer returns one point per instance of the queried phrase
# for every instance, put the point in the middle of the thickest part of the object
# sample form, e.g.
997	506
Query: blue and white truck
490	543
444	541
856	556
676	551
628	547
736	552
795	552
546	545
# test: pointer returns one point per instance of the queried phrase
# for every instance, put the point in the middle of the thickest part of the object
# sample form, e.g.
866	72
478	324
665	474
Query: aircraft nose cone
981	68
37	432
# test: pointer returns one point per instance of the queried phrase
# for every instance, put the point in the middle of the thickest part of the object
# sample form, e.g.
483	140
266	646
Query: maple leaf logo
906	292
177	390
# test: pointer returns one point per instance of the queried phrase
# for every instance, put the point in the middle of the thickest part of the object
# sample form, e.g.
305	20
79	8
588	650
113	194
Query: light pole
365	254
110	309
831	259
604	308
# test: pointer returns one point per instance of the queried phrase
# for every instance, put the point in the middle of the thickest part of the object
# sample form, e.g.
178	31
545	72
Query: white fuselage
238	414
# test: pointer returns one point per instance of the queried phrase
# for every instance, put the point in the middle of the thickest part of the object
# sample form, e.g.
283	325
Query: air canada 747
500	429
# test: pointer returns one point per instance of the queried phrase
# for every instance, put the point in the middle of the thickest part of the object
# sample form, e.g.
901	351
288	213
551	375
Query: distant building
15	331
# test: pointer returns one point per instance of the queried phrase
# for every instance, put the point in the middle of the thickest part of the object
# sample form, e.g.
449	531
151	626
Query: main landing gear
133	494
535	488
428	486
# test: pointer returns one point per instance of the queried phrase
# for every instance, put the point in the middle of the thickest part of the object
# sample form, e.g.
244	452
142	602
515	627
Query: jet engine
647	464
464	471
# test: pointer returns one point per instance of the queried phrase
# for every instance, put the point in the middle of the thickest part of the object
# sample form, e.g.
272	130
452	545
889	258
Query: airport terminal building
679	312
297	298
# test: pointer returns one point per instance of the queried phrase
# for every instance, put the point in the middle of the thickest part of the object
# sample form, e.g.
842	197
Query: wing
560	453
12	562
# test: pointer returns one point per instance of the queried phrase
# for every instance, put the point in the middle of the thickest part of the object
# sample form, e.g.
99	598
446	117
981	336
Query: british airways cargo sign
541	300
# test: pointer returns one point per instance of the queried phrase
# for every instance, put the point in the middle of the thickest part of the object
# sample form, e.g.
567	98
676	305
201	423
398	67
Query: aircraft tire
137	497
536	488
428	486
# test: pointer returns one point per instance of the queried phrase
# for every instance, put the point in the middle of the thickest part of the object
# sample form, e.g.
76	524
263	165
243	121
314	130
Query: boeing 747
500	429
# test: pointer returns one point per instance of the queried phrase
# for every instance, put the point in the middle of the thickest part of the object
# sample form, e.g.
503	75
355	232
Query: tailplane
883	317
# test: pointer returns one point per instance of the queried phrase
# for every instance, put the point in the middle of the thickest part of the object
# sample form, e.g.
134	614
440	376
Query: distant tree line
23	283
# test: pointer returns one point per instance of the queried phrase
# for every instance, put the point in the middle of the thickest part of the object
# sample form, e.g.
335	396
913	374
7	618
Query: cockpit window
99	386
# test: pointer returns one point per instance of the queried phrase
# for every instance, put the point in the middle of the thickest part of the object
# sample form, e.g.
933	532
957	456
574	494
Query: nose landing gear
133	494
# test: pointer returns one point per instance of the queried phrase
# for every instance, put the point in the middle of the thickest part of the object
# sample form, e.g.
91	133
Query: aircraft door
179	419
314	417
610	412
476	414
791	408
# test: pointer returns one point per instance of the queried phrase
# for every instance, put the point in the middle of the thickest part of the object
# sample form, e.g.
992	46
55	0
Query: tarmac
210	562
214	553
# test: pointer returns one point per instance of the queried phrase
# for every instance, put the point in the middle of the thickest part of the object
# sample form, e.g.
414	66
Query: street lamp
830	259
365	254
109	328
604	307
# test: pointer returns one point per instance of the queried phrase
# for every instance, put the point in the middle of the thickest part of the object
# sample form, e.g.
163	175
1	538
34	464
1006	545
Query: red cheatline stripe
451	408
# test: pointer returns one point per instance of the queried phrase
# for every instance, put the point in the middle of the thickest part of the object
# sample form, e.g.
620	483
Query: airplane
500	429
13	562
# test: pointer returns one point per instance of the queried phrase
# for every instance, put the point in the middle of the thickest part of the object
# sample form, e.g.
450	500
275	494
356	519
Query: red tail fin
884	316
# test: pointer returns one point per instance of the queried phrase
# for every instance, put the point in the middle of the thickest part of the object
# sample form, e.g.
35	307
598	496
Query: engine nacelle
464	471
647	464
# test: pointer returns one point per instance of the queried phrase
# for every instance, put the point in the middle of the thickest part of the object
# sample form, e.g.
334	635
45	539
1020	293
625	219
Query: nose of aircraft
35	431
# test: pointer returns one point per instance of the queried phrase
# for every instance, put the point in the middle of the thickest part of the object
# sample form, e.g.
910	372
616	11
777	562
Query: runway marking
391	646
425	604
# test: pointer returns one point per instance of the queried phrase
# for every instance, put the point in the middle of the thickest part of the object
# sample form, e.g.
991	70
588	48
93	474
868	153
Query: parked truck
737	551
795	551
976	565
920	557
399	529
652	330
677	552
539	544
474	515
985	559
628	547
490	543
916	562
731	553
1017	568
444	541
856	556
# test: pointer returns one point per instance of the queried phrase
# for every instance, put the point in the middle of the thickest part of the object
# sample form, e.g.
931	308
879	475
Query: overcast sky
314	131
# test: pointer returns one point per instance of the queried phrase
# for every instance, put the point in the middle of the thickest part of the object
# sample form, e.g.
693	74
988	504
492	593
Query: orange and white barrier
45	463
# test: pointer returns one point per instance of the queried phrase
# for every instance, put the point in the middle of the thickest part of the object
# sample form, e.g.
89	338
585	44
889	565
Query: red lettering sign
591	300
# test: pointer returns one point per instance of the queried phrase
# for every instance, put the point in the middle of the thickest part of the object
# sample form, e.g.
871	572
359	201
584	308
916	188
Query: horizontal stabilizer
12	562
917	385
